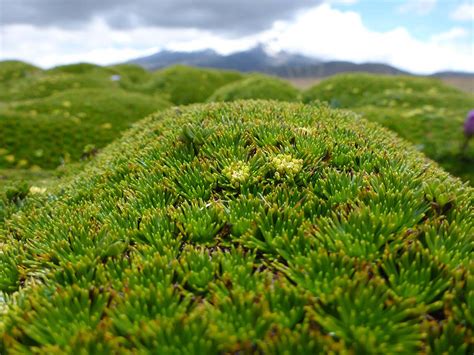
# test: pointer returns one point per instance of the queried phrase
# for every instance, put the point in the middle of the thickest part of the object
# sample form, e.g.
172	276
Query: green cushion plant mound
131	72
250	227
68	126
256	87
11	72
47	84
424	111
79	68
20	186
361	89
436	132
14	70
185	85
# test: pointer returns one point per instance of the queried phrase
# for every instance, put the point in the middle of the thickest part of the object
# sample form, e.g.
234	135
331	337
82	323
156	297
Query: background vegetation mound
361	89
251	226
424	111
131	74
257	87
13	70
185	85
79	68
46	84
68	126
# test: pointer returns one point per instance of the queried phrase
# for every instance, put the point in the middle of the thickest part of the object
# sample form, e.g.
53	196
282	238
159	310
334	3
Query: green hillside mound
424	111
14	70
360	89
436	132
68	126
256	87
185	85
79	68
250	227
11	72
46	84
133	73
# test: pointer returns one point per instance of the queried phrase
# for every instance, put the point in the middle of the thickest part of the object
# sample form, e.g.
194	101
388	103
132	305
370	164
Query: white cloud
98	43
453	34
323	32
421	7
333	34
464	12
342	2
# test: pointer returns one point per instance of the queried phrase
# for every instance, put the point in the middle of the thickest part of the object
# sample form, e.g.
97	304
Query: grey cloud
232	17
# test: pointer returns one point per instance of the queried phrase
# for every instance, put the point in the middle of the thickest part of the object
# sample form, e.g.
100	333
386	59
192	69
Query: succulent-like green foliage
424	111
29	186
185	85
246	227
68	126
256	87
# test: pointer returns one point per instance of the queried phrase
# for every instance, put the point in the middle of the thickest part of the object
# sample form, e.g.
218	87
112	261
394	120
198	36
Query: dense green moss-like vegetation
46	84
131	74
360	89
18	187
424	111
257	87
14	70
78	68
21	81
185	85
68	126
245	227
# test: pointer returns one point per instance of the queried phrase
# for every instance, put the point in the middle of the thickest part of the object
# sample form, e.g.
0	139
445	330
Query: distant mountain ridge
258	59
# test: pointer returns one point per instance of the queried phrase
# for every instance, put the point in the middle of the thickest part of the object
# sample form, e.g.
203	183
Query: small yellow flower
35	168
76	120
67	103
22	163
237	173
106	125
37	190
286	165
10	158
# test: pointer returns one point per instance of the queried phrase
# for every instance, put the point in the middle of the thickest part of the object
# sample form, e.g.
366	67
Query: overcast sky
422	36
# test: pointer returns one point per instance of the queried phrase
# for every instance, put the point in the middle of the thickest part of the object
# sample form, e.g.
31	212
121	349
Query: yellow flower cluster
37	190
286	165
237	173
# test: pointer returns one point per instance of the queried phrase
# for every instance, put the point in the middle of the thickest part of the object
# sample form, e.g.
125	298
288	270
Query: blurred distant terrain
303	71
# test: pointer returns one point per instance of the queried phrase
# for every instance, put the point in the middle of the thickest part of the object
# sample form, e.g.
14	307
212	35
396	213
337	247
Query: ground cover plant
130	75
56	80
19	187
185	85
256	87
245	227
424	111
14	70
68	126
